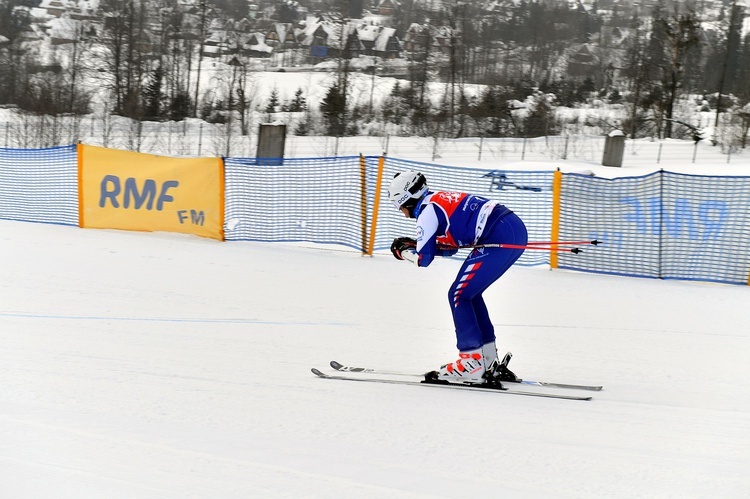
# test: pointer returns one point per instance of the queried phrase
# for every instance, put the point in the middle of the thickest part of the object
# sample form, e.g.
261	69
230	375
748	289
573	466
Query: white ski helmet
406	189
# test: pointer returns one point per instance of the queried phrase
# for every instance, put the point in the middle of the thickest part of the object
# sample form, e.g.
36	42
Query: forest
143	60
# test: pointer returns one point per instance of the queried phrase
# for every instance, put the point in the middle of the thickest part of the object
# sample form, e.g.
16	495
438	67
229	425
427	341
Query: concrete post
614	148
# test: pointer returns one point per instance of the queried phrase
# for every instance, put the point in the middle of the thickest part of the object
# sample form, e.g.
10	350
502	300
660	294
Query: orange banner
135	191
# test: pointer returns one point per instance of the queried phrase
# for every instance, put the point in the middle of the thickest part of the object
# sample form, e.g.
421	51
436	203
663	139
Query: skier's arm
429	225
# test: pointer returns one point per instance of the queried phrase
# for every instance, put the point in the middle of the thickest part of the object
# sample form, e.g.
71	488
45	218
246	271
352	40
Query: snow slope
166	366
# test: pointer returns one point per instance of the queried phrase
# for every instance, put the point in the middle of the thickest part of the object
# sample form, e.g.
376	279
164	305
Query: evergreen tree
493	114
273	101
152	95
298	104
13	21
333	108
285	13
395	108
180	107
541	119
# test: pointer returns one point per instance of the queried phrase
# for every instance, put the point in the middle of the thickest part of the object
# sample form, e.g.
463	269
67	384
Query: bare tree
202	28
126	42
731	51
681	32
636	71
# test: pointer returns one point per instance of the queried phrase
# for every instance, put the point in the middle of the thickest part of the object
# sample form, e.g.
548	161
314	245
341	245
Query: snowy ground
167	366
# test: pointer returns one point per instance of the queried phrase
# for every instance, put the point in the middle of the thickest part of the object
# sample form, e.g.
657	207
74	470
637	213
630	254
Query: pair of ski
397	378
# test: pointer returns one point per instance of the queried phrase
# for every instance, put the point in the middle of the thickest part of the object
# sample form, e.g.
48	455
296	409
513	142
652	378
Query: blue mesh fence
705	227
599	208
316	200
321	199
663	225
39	185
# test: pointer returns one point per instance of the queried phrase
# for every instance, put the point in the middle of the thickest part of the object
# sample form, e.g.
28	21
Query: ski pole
564	243
525	247
513	246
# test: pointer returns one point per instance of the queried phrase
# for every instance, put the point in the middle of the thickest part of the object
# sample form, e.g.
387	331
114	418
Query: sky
155	365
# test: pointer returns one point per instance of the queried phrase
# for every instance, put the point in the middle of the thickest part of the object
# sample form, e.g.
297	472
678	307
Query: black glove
401	244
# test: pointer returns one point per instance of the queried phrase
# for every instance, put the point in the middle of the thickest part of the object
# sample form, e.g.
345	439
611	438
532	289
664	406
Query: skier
445	222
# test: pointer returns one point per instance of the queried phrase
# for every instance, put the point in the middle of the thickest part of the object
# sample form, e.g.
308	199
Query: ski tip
588	388
336	365
318	372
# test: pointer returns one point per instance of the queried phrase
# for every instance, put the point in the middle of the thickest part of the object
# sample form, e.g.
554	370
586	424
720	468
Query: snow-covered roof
384	36
63	28
39	15
282	29
259	46
368	33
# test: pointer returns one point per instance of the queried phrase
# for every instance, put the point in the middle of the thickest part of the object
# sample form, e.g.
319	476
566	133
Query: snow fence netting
662	225
39	185
333	200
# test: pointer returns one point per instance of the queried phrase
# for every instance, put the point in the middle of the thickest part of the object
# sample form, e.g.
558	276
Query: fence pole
376	205
7	133
481	142
200	138
523	151
565	153
658	156
695	151
363	201
228	130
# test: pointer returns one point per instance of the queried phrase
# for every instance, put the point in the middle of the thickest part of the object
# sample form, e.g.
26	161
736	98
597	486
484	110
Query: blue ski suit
448	220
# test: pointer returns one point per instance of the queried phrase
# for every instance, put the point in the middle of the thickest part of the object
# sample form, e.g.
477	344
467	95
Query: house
583	62
415	37
323	40
54	8
218	43
63	30
244	25
323	37
379	41
387	44
255	46
281	36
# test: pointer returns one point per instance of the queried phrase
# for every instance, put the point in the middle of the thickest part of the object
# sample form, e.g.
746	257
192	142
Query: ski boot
468	369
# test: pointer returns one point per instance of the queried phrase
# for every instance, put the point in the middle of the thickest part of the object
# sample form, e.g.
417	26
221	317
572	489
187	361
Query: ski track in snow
162	365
